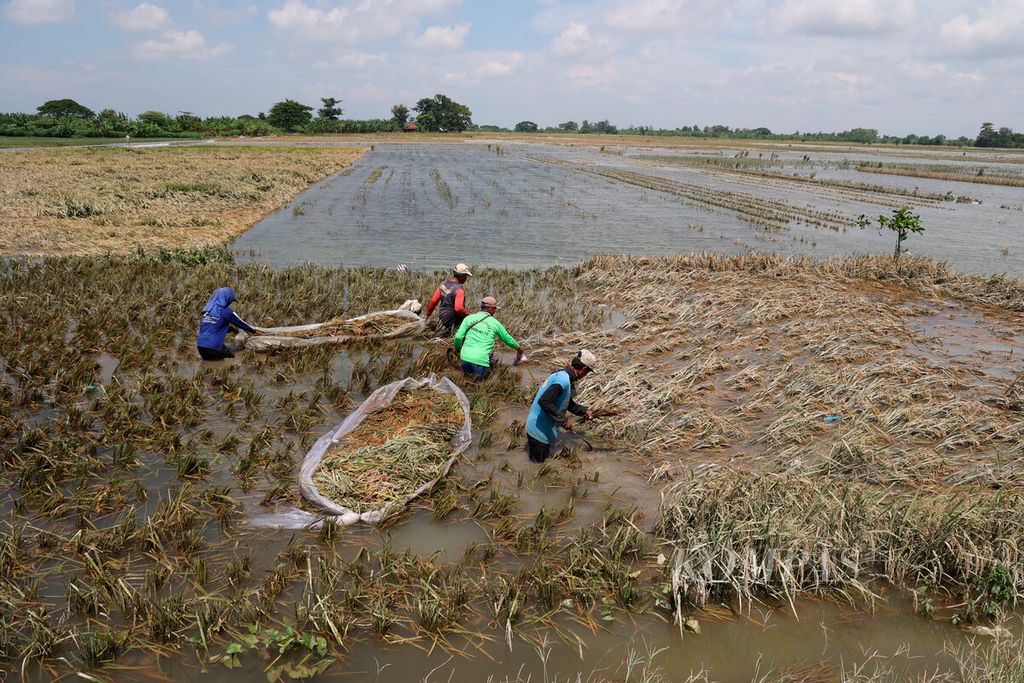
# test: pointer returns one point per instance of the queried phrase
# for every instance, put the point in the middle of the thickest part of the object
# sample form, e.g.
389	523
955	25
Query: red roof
410	126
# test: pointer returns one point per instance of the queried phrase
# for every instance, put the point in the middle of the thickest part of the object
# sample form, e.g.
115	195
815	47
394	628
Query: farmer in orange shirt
450	300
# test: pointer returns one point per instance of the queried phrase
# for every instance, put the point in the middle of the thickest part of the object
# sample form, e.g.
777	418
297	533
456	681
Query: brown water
822	640
428	205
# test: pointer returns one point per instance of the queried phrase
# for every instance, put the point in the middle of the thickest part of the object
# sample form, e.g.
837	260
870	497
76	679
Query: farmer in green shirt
475	339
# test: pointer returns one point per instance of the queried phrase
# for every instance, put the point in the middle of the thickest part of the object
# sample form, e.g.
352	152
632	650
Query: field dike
117	200
782	428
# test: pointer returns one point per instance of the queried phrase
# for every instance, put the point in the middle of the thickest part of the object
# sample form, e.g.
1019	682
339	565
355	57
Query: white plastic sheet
381	398
272	338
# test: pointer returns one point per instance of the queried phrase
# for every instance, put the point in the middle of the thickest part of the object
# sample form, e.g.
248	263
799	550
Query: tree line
67	118
437	114
988	137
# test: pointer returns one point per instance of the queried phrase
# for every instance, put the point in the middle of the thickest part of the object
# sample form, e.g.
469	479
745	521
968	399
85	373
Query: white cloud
363	21
500	67
938	76
846	18
352	59
144	17
578	41
443	37
35	12
647	15
997	32
188	46
473	68
592	77
215	15
368	92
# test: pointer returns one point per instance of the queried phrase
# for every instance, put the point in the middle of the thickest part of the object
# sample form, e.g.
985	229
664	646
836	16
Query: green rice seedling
431	615
238	570
548	588
192	466
165	618
504	529
328	532
565	512
84	600
504	600
44	636
497	505
295	552
102	648
444	503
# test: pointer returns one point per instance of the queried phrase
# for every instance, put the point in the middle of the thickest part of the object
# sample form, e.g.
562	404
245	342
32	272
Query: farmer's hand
567	426
519	357
589	415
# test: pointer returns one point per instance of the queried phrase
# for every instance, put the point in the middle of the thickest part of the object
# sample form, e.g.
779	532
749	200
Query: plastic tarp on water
378	400
274	338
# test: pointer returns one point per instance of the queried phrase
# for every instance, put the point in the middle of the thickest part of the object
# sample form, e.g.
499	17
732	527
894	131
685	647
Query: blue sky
900	66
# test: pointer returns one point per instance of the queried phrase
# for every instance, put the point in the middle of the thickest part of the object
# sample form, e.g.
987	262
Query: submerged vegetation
961	174
117	200
815	410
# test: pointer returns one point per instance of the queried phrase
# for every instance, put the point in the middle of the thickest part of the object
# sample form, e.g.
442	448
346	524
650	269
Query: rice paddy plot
506	207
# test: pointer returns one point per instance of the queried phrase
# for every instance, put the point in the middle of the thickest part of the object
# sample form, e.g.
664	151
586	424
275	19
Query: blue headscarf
222	298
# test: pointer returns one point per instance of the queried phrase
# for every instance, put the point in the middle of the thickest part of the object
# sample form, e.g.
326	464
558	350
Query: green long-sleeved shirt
475	345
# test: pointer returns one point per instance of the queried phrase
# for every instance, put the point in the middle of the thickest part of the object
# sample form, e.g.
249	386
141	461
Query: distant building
410	127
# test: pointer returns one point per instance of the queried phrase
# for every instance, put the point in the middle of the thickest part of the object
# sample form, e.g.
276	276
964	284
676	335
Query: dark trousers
450	327
215	354
537	450
474	371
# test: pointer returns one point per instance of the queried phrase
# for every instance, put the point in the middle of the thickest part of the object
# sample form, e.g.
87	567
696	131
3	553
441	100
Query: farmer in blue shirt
553	402
217	317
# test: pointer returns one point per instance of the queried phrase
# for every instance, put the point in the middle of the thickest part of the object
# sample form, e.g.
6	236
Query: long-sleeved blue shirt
217	318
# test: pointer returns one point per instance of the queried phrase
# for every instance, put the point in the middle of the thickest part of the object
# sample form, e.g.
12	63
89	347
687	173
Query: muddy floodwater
525	205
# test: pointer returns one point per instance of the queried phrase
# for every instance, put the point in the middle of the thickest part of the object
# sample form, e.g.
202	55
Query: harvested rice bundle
395	451
340	327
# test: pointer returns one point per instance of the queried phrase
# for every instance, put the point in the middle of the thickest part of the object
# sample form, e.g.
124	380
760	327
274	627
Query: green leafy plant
902	222
314	648
993	594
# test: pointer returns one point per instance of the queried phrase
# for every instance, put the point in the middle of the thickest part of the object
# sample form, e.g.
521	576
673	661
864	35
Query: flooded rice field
812	473
513	204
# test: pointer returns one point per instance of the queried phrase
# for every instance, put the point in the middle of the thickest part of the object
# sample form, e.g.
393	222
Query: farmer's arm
575	408
460	302
460	335
549	406
233	319
505	336
434	301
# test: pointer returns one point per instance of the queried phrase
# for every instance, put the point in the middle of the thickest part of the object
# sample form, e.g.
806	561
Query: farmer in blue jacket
551	406
217	316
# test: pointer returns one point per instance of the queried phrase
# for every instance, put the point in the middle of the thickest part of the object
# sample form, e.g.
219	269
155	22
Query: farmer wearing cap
450	299
553	402
213	328
475	339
